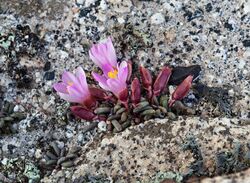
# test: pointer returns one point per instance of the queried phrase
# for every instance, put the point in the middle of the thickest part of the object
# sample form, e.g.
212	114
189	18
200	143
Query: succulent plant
8	117
224	161
123	99
57	157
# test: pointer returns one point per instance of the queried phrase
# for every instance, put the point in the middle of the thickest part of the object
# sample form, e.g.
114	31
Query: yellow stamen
70	83
113	74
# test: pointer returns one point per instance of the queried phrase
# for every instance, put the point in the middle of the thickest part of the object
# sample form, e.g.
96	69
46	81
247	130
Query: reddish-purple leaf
101	95
161	80
182	90
146	77
101	118
123	97
90	102
98	94
146	80
135	91
129	70
82	113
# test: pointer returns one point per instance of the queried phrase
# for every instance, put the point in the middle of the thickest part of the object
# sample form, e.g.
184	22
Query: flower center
70	83
113	74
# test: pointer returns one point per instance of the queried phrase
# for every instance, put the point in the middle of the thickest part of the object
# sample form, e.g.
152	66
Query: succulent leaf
129	70
123	97
135	91
146	80
98	94
161	80
182	90
82	112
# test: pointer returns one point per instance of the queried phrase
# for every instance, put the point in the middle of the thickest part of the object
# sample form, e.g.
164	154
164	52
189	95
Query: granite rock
214	35
158	146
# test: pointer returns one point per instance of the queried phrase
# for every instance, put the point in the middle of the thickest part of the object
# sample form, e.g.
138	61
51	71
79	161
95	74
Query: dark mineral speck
209	7
47	66
49	75
246	43
48	92
11	148
228	26
84	12
188	14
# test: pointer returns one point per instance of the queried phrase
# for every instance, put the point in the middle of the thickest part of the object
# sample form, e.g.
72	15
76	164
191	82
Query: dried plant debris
56	157
197	167
217	96
225	162
234	160
192	145
8	117
18	170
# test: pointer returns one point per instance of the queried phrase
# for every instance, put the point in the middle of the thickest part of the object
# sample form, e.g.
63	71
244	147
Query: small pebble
157	18
79	1
89	2
102	125
103	5
171	115
16	108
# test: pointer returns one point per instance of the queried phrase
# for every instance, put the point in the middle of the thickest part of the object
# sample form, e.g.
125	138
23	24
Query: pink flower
74	88
103	54
115	80
114	75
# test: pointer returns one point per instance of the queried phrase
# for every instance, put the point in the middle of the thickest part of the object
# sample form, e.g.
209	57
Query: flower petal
71	98
95	56
69	78
80	74
102	81
60	87
111	52
74	90
123	72
106	68
103	53
115	86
